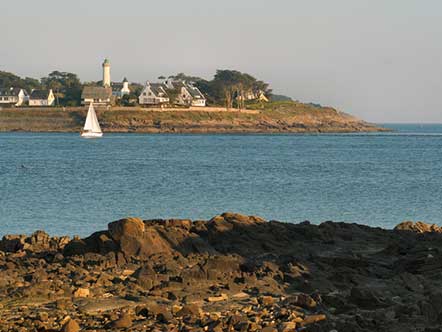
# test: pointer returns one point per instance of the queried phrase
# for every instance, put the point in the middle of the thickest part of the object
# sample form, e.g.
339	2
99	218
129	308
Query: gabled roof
39	94
4	92
157	89
195	92
118	86
96	92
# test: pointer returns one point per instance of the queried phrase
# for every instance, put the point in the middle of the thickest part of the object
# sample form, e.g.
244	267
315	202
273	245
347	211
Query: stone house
99	95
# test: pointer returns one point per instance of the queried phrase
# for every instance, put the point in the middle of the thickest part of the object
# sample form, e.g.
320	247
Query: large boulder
12	243
418	227
127	227
39	241
128	233
134	238
228	220
76	247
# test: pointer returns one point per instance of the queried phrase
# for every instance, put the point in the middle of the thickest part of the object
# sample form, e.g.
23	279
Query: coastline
297	119
231	272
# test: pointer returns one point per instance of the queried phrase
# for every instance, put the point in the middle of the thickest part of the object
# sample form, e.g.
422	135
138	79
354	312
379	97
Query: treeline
228	88
66	86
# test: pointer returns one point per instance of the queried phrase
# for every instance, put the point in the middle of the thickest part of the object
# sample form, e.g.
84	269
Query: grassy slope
272	117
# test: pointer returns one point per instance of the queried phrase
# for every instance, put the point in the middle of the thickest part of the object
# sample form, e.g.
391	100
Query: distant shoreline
297	118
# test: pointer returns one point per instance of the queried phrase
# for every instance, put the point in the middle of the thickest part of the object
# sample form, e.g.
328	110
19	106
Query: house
42	98
263	97
254	95
153	94
120	89
198	98
186	93
99	95
13	97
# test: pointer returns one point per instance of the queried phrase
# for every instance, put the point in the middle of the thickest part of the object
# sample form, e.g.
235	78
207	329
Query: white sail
91	123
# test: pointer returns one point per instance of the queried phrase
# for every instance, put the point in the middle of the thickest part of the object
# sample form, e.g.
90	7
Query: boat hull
91	135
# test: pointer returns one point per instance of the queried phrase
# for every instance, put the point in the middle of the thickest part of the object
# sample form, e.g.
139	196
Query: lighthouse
106	73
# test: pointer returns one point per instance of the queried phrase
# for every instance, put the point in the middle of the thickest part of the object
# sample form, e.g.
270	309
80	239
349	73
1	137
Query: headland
278	117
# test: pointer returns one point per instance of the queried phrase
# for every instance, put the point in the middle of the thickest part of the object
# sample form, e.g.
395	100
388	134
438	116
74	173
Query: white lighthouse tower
106	73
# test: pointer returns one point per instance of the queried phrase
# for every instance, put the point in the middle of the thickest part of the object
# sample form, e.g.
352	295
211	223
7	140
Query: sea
66	185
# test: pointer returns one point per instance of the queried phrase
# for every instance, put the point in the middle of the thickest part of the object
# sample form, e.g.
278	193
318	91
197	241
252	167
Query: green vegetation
11	80
128	100
274	97
40	120
66	86
229	88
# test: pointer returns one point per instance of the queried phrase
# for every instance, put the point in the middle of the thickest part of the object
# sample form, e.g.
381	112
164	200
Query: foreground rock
231	273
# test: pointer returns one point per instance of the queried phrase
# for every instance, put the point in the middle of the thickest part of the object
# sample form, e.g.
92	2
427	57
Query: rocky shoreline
297	118
231	273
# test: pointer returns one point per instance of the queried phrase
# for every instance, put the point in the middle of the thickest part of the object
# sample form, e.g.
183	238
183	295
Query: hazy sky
378	59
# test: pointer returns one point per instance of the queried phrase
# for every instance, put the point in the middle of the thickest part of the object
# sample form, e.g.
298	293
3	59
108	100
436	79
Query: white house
188	94
120	89
13	96
198	98
254	95
153	94
99	95
41	98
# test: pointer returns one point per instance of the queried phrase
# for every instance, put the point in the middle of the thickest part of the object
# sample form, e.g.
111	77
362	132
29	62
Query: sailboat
91	126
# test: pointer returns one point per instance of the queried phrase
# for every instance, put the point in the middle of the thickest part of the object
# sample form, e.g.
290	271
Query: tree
31	84
173	95
8	80
136	89
129	100
228	87
231	85
187	78
66	86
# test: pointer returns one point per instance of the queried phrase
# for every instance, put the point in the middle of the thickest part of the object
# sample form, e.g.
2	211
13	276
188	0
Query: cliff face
231	273
275	118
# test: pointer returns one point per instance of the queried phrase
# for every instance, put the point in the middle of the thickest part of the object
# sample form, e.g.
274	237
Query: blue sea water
68	185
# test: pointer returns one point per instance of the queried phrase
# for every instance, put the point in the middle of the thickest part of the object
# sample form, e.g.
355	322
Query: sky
376	59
